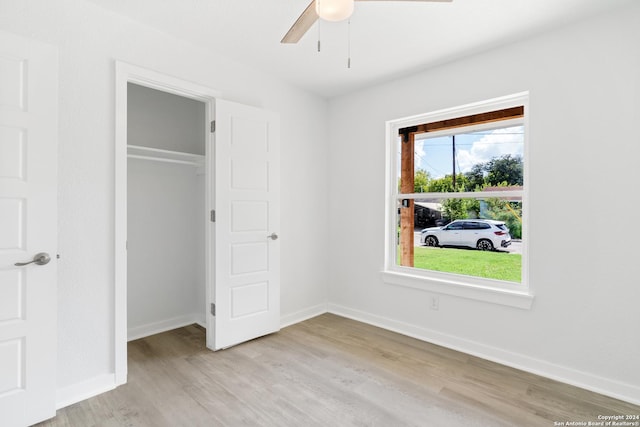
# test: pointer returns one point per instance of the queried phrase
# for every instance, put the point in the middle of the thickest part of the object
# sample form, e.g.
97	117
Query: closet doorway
166	213
170	150
220	178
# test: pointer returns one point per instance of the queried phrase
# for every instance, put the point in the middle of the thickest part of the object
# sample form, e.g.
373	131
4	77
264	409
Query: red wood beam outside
474	119
407	174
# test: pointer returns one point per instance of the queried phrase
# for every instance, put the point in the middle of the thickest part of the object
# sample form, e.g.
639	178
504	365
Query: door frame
128	73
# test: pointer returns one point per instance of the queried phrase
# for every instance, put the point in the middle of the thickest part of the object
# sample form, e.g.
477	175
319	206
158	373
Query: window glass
469	221
467	161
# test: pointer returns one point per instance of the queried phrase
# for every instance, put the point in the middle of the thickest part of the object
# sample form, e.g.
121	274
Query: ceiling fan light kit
328	10
334	10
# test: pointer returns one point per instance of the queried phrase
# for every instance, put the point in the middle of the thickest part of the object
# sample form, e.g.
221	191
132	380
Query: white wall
584	115
163	247
89	40
163	120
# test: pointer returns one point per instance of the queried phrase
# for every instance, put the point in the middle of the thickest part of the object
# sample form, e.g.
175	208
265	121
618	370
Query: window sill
522	299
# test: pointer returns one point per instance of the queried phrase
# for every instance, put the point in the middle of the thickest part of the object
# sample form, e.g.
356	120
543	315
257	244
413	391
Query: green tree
441	185
445	184
476	177
508	211
504	169
421	181
460	208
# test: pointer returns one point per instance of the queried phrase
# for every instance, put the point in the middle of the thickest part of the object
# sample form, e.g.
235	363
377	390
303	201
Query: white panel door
28	226
246	246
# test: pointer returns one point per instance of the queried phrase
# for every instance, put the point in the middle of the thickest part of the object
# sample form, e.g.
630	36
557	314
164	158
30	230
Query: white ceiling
388	39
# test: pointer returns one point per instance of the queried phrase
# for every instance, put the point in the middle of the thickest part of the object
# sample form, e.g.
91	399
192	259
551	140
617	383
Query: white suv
482	234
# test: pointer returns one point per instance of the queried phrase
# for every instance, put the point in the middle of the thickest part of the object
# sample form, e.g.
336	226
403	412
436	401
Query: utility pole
453	137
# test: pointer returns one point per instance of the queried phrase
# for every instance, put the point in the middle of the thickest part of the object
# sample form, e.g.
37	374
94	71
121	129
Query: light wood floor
327	371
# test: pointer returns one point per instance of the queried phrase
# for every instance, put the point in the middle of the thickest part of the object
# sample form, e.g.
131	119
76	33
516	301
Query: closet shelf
167	156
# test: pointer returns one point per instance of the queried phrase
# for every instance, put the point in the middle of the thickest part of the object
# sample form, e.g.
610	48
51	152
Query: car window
454	226
483	225
468	225
501	226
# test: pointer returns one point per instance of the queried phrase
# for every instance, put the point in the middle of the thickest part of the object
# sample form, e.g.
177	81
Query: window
456	201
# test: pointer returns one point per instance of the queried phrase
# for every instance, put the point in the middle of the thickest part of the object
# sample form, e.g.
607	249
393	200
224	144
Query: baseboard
302	315
618	390
201	319
163	326
84	390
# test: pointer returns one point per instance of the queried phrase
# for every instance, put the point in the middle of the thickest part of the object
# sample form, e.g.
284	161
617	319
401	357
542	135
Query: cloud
497	143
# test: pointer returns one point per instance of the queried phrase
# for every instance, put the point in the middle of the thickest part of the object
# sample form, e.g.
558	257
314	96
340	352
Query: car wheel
484	245
431	241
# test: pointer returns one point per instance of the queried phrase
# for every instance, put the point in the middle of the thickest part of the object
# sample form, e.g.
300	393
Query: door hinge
213	215
213	126
213	309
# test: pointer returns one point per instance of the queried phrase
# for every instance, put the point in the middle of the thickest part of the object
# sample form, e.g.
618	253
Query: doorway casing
127	73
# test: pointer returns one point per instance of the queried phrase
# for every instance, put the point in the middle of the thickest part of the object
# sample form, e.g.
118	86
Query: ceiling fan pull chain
349	43
319	24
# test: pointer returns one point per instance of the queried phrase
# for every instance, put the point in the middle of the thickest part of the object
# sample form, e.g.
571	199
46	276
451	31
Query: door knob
41	258
273	236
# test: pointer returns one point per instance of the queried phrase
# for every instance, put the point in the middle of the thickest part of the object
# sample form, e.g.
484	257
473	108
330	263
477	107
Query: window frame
519	295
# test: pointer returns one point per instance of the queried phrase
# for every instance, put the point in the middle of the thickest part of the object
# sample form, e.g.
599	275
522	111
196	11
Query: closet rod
160	159
167	156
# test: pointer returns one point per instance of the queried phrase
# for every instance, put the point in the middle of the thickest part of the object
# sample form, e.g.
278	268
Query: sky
435	154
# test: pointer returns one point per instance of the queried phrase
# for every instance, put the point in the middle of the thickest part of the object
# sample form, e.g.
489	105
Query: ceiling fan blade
302	24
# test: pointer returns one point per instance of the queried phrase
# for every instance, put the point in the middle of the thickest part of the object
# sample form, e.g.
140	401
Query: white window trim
493	291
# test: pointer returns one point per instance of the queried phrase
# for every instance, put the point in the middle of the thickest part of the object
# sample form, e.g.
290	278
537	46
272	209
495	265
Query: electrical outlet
435	302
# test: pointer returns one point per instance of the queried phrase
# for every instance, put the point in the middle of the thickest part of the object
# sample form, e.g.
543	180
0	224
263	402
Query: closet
166	211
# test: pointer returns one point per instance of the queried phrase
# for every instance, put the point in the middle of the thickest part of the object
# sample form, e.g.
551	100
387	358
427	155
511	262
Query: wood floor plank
327	371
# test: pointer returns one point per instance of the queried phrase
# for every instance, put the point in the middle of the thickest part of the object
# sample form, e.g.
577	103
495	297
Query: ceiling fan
329	10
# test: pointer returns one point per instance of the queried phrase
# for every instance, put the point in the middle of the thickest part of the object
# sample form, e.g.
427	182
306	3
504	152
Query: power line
428	164
469	144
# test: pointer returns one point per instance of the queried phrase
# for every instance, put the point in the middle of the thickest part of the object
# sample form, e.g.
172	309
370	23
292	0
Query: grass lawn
490	265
